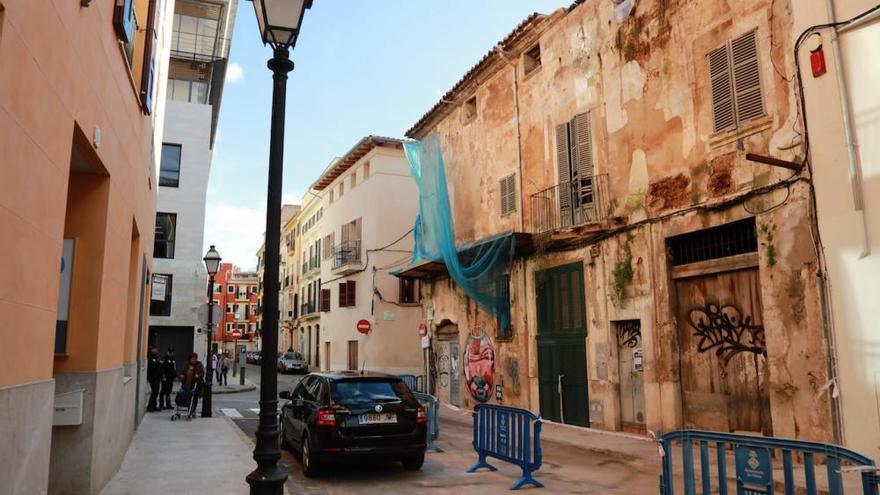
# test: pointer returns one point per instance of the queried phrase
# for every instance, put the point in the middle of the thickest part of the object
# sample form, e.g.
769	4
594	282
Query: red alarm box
817	61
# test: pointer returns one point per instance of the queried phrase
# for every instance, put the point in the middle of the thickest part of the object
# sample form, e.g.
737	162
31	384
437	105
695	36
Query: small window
163	244
532	59
169	170
331	195
230	289
160	297
730	239
508	194
328	246
341	189
469	111
735	83
230	308
353	180
217	288
366	171
347	291
126	23
409	291
254	289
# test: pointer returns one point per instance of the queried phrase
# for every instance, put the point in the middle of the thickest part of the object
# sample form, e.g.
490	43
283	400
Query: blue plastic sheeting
478	270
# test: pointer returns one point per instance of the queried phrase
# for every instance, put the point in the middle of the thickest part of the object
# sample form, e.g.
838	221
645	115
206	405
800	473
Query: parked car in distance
292	362
344	415
256	357
249	357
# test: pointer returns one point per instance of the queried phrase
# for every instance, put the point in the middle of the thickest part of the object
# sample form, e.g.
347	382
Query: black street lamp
279	22
212	264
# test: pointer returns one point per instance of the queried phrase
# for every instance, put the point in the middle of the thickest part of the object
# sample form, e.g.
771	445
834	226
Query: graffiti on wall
628	333
727	331
479	361
443	366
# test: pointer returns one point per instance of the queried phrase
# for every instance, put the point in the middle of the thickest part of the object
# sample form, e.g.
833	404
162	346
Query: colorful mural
479	358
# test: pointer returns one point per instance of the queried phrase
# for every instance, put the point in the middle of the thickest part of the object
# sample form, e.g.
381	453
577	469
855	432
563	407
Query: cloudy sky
361	68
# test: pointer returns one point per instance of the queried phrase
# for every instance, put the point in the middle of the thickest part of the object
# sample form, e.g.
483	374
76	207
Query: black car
342	415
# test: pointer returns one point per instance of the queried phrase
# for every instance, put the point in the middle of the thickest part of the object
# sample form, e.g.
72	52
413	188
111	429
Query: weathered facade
662	279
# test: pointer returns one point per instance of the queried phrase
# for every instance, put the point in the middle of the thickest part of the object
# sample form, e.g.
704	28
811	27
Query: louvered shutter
508	194
746	77
722	90
351	298
342	295
563	152
582	147
124	20
325	300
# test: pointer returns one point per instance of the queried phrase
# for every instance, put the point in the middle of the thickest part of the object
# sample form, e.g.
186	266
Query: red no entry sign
235	334
363	326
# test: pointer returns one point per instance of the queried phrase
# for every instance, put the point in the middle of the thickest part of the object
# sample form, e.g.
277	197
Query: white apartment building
200	43
370	202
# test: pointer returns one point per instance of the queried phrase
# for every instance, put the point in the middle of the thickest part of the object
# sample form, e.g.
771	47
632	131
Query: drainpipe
855	175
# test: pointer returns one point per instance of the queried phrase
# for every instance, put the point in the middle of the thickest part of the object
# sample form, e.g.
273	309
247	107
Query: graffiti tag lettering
727	331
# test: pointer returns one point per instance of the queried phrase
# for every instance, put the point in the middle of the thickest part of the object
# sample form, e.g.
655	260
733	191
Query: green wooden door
562	354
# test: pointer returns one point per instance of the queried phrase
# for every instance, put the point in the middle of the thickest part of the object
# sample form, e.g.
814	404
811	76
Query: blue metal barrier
415	383
511	435
753	461
432	406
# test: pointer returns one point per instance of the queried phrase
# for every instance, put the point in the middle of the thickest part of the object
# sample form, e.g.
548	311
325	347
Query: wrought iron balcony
346	257
308	309
570	204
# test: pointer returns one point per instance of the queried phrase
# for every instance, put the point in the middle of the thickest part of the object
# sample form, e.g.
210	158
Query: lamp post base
268	481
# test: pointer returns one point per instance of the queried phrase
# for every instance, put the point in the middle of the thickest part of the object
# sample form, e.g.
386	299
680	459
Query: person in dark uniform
169	372
154	376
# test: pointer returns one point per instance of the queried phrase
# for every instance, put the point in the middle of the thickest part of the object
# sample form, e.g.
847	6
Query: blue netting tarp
479	268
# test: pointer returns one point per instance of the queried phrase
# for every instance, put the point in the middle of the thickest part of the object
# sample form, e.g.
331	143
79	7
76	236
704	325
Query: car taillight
326	417
421	415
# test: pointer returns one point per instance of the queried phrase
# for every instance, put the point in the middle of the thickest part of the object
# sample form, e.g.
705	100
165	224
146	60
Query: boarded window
508	194
532	59
735	82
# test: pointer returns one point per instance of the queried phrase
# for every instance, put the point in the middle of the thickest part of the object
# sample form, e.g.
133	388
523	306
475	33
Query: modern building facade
646	159
80	121
200	43
369	202
840	73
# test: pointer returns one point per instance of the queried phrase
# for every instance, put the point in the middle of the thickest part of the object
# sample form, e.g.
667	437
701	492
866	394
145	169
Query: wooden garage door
724	372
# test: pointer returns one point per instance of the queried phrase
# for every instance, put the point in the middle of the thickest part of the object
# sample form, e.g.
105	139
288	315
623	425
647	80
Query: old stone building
647	156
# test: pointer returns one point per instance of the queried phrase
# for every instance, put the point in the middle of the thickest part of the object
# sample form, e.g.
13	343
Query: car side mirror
284	394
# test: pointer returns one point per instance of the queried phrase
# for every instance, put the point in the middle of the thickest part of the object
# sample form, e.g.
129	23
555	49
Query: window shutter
124	20
721	87
582	150
342	295
746	77
563	148
507	189
325	300
351	297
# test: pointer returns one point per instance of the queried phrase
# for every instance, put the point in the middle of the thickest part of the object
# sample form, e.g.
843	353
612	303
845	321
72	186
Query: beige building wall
79	161
850	236
386	202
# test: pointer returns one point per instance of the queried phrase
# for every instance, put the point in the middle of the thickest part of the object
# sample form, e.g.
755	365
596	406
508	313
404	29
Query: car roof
348	375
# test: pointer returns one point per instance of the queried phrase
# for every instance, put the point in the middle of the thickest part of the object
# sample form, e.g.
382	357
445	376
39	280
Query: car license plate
377	418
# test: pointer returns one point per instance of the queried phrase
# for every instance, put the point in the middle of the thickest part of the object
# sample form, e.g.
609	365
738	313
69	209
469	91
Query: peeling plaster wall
645	82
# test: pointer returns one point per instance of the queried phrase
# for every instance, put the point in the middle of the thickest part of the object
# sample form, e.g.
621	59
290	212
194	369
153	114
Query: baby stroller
184	404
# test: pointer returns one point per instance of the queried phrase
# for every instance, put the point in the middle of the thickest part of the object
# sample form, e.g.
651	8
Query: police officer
154	375
169	372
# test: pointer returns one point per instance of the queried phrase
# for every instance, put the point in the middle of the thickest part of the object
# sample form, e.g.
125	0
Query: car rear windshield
291	355
367	391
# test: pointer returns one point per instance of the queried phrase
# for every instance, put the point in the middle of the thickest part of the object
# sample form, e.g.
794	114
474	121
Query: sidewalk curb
247	387
462	413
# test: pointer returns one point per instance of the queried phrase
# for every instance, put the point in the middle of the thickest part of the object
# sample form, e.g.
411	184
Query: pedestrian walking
154	376
215	361
169	373
191	378
224	370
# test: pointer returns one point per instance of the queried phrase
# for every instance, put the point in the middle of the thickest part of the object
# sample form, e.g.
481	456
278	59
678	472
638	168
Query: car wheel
311	468
414	463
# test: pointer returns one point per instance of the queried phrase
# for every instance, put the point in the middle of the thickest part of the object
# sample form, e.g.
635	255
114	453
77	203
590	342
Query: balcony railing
308	309
346	253
570	204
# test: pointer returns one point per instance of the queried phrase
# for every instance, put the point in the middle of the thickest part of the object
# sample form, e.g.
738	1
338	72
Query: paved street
567	467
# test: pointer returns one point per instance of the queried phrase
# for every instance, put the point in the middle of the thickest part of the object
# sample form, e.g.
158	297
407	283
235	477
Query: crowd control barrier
432	406
756	458
511	435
